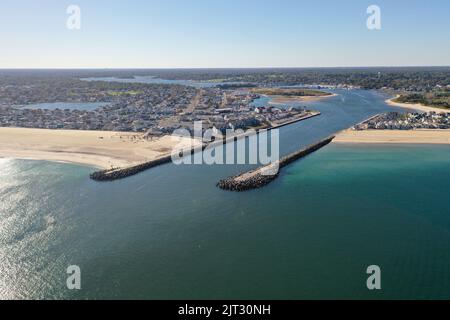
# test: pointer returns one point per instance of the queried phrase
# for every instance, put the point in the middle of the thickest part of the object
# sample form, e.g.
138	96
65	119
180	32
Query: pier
264	175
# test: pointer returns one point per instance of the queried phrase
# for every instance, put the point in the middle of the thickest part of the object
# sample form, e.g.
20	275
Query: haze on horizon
223	34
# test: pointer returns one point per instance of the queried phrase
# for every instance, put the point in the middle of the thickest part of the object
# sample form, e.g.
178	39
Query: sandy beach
417	107
394	136
99	149
284	99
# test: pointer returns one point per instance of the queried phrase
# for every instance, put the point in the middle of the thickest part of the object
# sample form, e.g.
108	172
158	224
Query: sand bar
99	149
285	99
418	107
394	136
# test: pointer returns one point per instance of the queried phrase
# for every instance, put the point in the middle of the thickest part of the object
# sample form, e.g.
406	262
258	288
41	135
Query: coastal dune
283	99
99	149
418	107
292	95
394	136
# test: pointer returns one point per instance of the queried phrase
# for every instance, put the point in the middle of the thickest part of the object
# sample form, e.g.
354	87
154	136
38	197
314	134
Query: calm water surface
170	233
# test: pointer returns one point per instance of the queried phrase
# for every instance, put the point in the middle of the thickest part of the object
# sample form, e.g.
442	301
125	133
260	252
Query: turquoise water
170	233
263	101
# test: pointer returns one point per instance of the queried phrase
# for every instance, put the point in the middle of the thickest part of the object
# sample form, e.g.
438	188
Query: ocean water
169	233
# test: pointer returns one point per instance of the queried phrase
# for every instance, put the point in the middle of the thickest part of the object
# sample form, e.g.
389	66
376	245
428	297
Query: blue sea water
169	233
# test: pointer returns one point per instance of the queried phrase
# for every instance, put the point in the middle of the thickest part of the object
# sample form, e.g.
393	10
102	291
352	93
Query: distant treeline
413	79
231	86
291	92
397	78
439	99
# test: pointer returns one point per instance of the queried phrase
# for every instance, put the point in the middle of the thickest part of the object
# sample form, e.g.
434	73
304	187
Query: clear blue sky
223	33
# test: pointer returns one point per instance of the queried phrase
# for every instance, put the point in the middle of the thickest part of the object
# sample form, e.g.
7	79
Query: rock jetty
116	174
122	173
264	175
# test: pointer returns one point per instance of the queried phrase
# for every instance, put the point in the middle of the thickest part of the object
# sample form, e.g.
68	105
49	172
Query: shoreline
86	164
418	107
422	136
112	153
95	149
277	100
125	172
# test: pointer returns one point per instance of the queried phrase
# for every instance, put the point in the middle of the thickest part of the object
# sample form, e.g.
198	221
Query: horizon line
219	68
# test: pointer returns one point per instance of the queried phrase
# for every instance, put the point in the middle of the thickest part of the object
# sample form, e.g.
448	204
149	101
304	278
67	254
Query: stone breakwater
122	173
263	176
116	174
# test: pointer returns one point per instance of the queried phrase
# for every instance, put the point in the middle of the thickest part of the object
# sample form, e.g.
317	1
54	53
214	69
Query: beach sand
394	136
98	149
283	99
417	107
